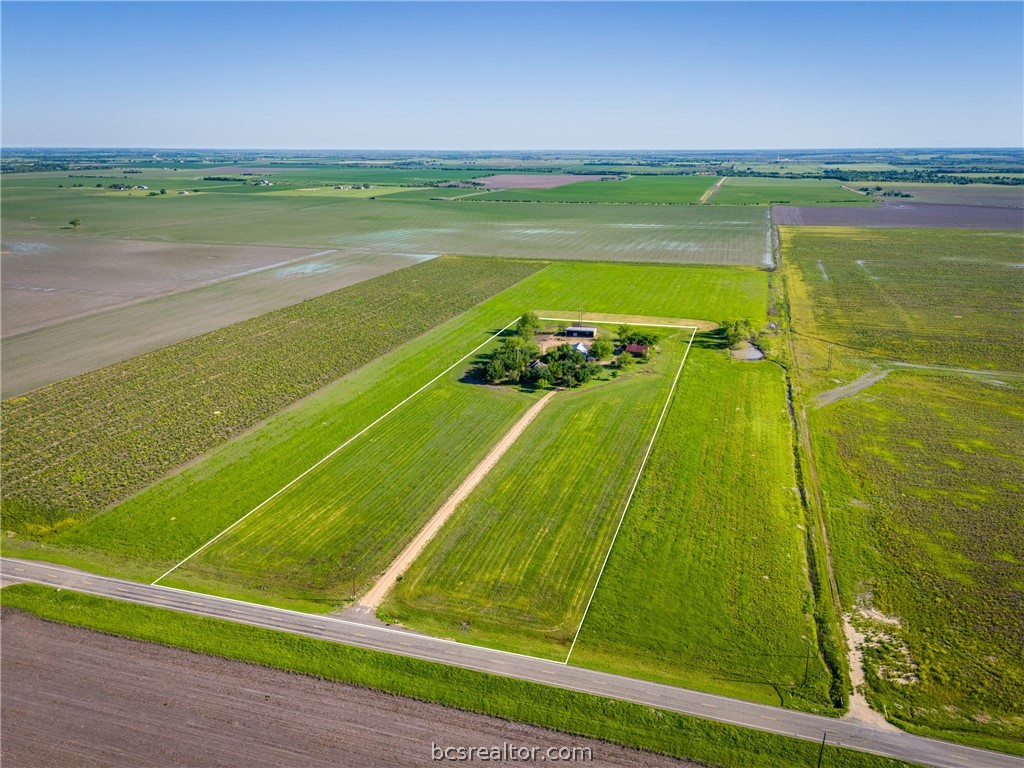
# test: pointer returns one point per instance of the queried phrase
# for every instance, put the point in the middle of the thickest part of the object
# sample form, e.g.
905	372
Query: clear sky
493	75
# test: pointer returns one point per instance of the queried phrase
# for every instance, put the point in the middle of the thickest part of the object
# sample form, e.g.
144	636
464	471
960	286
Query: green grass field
514	566
707	586
233	213
73	448
636	189
922	478
134	539
920	471
615	721
330	535
947	297
754	190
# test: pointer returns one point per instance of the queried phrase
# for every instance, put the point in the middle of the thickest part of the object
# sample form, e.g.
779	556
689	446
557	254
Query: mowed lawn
515	565
636	189
756	190
707	585
342	525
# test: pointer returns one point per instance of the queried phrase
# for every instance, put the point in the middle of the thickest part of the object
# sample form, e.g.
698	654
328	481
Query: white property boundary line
636	482
379	419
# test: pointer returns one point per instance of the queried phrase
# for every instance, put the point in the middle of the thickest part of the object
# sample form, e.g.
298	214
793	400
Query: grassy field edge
615	721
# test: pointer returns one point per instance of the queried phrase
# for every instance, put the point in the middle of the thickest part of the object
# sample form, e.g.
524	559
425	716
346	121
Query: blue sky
494	75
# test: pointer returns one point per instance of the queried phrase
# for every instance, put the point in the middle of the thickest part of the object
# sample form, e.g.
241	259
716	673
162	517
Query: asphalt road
846	733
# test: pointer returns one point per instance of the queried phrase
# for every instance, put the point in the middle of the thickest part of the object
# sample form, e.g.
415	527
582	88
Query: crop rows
79	445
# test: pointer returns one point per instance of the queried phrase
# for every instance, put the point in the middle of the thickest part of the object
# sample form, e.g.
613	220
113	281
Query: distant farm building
581	331
582	348
637	349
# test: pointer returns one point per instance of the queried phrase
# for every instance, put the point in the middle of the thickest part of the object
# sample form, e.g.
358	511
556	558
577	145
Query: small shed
637	349
581	331
582	348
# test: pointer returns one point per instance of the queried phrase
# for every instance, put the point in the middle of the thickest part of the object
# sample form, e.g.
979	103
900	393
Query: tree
75	222
163	191
528	325
624	361
737	331
601	349
510	360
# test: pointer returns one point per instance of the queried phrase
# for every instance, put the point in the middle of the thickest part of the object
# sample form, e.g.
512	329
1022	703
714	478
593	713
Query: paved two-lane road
869	738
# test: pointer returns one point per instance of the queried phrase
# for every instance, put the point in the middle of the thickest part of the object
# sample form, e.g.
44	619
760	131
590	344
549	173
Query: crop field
753	190
667	234
50	279
56	352
637	189
949	297
515	565
920	471
77	447
901	214
135	538
956	194
707	585
330	534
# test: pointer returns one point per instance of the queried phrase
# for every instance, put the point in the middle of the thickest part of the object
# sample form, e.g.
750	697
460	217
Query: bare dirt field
43	356
924	215
534	180
47	280
76	697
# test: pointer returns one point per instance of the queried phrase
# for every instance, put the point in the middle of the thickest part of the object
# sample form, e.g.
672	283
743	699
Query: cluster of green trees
518	359
737	331
629	335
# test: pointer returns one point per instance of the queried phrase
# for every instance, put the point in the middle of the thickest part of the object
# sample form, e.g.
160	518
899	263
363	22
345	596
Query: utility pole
581	315
830	356
807	662
822	750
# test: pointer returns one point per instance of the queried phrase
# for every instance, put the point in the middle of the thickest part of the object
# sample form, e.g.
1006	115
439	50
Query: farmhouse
637	349
581	331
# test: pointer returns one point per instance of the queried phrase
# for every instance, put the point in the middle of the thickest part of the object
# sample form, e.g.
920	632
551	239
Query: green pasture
75	447
755	190
133	537
920	471
707	585
947	297
921	476
636	189
331	534
514	566
234	213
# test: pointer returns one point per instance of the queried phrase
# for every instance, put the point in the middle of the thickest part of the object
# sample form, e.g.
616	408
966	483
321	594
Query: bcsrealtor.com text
510	753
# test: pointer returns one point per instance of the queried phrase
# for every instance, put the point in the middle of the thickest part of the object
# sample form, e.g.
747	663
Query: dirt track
76	697
378	591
